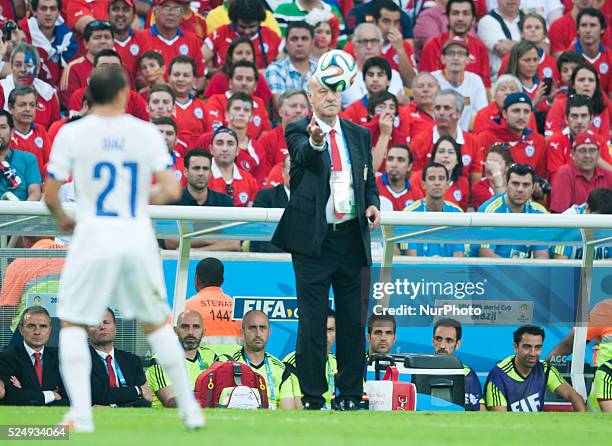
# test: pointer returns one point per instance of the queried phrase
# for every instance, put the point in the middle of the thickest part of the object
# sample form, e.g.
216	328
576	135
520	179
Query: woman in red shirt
584	81
447	152
240	49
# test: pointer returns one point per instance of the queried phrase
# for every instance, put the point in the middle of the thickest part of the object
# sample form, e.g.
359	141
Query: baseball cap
161	2
517	98
585	138
130	3
456	41
224	129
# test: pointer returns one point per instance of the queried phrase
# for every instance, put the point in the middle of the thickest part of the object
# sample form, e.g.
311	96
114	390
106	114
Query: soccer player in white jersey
113	259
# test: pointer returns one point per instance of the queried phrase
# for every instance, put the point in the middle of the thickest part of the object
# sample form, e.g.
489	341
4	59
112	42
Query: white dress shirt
49	396
346	167
103	356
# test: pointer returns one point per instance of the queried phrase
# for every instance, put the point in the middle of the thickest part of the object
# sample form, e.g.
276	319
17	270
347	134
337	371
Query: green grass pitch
145	427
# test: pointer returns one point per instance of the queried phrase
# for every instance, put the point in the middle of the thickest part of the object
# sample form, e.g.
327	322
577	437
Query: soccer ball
336	70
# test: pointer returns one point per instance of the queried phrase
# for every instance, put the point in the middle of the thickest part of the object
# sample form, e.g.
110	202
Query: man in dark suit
274	197
30	370
117	377
325	228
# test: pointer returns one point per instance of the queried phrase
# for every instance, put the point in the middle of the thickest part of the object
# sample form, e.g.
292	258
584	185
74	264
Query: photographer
11	36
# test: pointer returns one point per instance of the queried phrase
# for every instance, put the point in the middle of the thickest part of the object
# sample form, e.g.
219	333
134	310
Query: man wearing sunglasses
574	182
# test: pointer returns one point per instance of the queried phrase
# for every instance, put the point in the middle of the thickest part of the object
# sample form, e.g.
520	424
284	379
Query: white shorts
120	270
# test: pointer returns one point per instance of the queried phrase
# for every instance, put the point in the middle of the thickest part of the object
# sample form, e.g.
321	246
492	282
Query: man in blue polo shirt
19	174
435	182
517	199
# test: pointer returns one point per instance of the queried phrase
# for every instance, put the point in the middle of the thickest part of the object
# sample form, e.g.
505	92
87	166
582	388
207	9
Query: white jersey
111	160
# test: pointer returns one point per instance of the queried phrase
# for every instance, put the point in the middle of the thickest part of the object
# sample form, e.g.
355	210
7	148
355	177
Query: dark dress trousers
324	255
15	361
125	396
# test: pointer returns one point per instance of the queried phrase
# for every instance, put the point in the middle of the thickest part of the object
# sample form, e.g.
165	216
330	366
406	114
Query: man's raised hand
315	132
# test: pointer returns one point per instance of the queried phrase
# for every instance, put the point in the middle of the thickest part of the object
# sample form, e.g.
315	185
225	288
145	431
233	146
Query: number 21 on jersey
107	171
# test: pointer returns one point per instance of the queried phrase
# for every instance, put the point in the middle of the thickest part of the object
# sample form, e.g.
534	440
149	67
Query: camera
7	30
544	184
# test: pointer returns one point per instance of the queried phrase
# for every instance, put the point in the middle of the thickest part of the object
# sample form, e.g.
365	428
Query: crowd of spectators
488	90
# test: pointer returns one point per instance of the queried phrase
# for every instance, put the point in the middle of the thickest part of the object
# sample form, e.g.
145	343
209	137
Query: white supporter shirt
111	160
473	91
490	32
358	90
543	8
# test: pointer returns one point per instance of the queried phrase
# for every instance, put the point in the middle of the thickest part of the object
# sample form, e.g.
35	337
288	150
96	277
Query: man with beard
293	72
189	329
578	113
25	66
525	145
461	15
394	184
256	332
446	340
517	199
117	377
519	382
19	174
382	334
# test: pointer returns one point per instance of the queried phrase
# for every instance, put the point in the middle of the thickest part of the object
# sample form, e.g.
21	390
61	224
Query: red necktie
112	378
38	367
336	161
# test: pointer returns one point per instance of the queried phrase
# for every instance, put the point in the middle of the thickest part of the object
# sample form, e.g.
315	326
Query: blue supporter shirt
26	166
498	205
575	252
433	249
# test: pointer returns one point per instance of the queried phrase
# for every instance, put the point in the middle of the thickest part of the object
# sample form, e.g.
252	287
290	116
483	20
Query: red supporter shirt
129	52
219	84
357	112
570	186
417	120
47	102
37	142
190	120
399	200
183	44
481	192
220	39
559	150
388	53
76	75
423	144
136	105
275	177
75	10
458	191
243	185
274	145
562	33
527	148
399	135
490	116
555	120
54	128
252	159
215	115
602	64
479	56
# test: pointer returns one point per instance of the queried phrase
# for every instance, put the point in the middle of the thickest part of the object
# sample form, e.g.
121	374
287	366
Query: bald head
255	330
189	329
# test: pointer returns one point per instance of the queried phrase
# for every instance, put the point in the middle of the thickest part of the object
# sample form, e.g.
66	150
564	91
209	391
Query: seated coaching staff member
325	228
